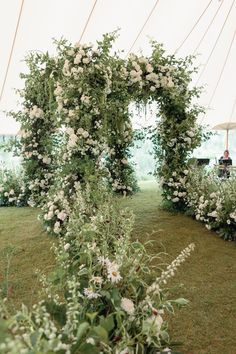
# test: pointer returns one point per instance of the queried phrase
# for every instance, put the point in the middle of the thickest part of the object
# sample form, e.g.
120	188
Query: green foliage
13	190
76	120
212	200
38	123
103	296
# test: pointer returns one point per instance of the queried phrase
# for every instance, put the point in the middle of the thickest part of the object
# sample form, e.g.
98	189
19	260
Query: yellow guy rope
12	49
141	30
87	22
194	26
208	27
232	112
215	44
222	70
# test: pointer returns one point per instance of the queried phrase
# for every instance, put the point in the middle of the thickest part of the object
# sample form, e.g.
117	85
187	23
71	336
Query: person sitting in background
224	162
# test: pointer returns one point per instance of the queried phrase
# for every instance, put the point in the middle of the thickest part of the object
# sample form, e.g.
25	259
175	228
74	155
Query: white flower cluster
145	73
12	188
30	146
36	112
57	211
77	100
81	143
112	269
127	305
154	288
117	185
177	183
213	202
96	276
187	138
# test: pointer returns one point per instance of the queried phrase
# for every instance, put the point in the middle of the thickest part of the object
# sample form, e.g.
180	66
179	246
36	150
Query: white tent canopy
175	23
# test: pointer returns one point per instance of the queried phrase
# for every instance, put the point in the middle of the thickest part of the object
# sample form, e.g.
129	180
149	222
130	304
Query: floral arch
76	125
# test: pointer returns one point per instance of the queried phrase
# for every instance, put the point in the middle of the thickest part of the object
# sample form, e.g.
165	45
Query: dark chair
224	167
203	161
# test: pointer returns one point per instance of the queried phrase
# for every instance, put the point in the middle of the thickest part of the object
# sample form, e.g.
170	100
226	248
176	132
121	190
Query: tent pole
227	139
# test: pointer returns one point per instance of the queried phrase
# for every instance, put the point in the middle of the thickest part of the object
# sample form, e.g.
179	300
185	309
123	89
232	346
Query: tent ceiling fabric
169	23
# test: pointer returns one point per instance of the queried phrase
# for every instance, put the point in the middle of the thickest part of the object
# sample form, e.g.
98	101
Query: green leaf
115	297
101	333
88	348
146	270
181	301
106	294
169	307
137	245
165	336
58	312
107	323
139	348
119	321
82	330
34	337
92	315
83	271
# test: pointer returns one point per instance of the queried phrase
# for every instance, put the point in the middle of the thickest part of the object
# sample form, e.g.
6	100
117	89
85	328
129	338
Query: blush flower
127	305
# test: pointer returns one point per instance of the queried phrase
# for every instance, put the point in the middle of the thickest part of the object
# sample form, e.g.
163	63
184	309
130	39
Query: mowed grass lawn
207	324
24	249
208	277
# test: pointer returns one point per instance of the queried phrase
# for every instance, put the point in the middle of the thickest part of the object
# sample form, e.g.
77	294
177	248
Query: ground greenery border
105	295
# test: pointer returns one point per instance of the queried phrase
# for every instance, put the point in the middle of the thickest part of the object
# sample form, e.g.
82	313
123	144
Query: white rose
149	68
90	340
80	70
85	134
70	131
46	160
124	161
127	305
11	200
190	133
175	200
77	59
188	140
80	131
86	60
71	113
70	52
50	215
62	215
72	141
66	246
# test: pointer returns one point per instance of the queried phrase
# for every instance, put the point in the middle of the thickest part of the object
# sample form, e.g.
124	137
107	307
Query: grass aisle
207	325
23	242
